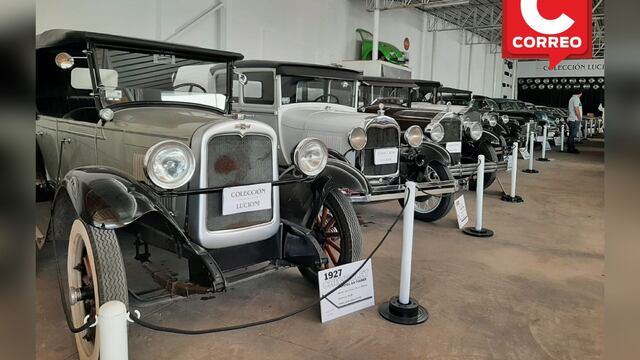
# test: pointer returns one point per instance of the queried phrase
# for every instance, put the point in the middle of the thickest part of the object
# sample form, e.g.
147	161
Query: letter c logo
531	15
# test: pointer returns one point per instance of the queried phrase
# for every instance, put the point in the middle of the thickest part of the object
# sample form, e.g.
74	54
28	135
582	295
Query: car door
79	149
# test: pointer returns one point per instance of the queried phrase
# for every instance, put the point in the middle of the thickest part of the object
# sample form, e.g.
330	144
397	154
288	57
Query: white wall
319	31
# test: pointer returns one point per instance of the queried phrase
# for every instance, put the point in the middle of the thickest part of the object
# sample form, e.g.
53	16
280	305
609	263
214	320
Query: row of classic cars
239	167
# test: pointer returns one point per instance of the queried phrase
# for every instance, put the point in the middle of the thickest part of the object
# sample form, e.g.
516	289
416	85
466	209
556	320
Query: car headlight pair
491	119
474	129
435	131
170	164
358	137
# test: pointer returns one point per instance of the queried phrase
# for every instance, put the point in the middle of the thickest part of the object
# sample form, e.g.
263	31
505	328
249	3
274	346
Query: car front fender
108	198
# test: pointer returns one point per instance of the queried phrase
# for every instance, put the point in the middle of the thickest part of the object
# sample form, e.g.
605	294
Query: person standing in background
601	108
574	120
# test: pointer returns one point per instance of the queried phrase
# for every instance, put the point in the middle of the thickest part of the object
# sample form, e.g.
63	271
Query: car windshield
454	98
508	105
424	94
129	77
302	89
370	95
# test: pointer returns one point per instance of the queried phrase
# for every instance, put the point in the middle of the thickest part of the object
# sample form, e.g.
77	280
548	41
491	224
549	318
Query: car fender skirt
107	198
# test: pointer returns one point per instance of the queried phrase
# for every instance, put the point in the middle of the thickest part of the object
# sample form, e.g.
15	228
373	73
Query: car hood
329	123
145	125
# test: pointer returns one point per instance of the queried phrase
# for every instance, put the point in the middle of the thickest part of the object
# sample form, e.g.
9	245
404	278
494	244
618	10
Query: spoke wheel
337	230
427	204
94	264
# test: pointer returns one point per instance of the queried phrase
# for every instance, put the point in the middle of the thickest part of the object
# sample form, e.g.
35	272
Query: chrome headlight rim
414	136
490	119
352	138
505	119
475	130
151	155
435	131
299	154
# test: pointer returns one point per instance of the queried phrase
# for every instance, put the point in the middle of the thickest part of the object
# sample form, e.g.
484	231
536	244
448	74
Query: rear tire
490	155
94	262
431	208
341	237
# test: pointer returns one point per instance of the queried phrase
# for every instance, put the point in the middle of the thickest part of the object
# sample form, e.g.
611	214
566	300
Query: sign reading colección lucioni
567	68
547	29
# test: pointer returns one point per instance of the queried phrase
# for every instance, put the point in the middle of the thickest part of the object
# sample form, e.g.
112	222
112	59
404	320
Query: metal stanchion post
526	143
545	131
403	309
112	331
562	138
478	230
514	171
531	170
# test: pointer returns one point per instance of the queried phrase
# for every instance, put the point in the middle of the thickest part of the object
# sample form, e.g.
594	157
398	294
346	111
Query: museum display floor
533	291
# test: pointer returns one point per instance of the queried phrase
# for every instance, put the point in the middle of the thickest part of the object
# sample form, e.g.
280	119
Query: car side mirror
242	78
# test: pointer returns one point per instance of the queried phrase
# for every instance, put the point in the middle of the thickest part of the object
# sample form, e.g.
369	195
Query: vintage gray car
139	154
308	100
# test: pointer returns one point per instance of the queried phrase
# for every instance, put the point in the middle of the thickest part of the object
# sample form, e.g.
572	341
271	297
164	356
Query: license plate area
385	156
246	198
454	147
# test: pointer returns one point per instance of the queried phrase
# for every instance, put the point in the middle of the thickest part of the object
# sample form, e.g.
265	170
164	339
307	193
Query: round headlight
413	136
505	119
358	138
169	164
491	119
475	131
310	156
435	131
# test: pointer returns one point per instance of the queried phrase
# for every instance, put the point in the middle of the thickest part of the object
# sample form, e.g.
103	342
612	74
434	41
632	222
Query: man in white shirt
574	120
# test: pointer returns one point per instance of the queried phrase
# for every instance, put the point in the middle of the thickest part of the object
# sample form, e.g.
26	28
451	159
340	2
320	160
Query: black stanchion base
530	171
511	199
409	314
544	159
473	232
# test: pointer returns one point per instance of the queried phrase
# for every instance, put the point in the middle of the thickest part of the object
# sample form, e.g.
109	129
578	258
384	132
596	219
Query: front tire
431	208
94	264
490	155
338	232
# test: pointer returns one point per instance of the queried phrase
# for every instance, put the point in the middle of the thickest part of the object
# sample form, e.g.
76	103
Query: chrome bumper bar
393	192
466	170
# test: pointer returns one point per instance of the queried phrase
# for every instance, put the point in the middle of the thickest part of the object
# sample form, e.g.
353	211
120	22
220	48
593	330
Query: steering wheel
326	96
191	86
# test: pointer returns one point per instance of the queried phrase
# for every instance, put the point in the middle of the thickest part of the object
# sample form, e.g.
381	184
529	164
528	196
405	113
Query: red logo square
540	29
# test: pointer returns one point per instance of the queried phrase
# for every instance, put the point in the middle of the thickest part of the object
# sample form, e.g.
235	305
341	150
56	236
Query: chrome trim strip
393	192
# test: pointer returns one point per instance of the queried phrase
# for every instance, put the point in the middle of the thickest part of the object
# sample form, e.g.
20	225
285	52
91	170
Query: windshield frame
328	87
98	87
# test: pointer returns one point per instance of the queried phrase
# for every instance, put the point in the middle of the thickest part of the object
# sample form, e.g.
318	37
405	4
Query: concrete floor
533	291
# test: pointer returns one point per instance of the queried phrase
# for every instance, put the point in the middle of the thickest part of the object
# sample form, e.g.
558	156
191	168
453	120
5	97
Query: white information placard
240	199
461	212
557	140
539	138
509	162
454	147
524	153
385	156
356	294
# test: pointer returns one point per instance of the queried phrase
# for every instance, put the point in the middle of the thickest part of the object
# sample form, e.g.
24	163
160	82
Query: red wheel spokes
326	222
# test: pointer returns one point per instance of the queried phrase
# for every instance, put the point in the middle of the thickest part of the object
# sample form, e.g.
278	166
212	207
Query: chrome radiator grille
378	138
233	161
452	130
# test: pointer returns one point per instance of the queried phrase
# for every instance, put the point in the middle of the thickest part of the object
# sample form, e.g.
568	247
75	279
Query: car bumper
466	170
393	192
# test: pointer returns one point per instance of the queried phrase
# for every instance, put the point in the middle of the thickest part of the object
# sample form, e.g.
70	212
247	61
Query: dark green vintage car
386	51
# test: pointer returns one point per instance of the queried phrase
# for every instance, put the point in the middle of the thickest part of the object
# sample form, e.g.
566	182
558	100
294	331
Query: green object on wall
386	51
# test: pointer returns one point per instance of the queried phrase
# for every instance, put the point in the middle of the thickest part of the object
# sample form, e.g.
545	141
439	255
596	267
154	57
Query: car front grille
232	161
452	130
378	138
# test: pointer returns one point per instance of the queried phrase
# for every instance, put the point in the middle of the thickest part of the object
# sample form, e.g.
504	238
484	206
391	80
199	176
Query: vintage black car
513	116
140	153
457	128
